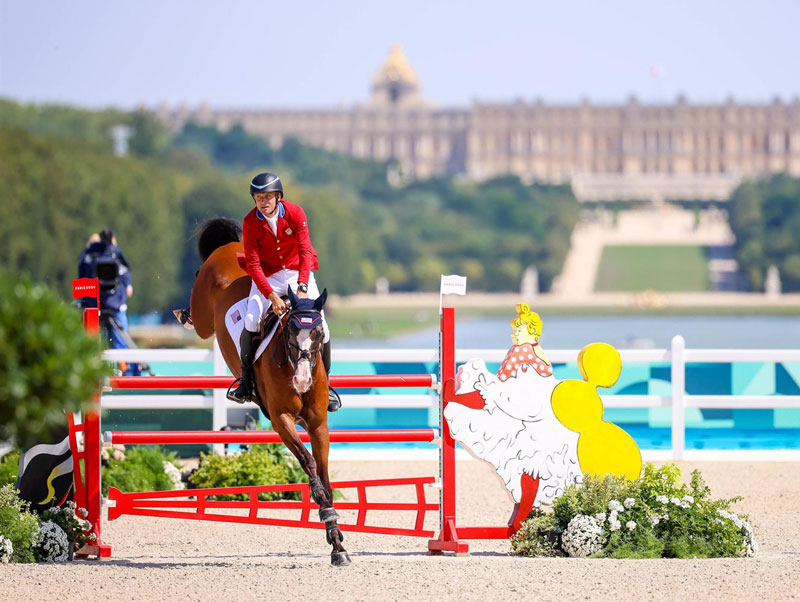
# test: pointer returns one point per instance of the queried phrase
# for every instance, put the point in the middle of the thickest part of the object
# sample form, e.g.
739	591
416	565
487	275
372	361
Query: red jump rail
194	437
223	382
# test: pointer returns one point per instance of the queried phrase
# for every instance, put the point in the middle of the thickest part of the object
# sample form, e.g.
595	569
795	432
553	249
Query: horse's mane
216	232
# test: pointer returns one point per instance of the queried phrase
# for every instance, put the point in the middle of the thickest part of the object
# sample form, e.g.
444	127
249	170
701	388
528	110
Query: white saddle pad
234	322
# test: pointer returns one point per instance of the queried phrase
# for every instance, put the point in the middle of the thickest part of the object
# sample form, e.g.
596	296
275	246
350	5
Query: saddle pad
234	322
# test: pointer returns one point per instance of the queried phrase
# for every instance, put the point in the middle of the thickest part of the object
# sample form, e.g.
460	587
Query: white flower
662	499
666	516
631	525
675	500
612	517
615	505
6	550
52	543
654	520
174	475
583	536
751	545
601	516
745	528
688	498
629	502
614	525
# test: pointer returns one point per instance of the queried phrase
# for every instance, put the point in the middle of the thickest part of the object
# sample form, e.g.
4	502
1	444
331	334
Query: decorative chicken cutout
540	434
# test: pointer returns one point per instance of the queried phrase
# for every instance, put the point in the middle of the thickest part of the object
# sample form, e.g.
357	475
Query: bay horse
291	385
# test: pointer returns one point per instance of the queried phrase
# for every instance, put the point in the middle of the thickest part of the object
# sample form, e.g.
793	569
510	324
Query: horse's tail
216	232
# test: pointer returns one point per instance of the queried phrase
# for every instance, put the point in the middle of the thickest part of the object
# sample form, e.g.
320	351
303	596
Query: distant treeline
59	182
765	217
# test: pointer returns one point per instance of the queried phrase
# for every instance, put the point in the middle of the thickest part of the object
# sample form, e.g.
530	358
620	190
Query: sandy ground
159	559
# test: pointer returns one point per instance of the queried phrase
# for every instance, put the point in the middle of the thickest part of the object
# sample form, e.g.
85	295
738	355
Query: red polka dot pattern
519	357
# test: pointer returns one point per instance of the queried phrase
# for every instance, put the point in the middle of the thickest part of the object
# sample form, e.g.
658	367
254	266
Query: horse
291	384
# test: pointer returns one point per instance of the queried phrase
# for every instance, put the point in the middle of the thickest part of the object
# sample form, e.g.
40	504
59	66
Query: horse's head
304	334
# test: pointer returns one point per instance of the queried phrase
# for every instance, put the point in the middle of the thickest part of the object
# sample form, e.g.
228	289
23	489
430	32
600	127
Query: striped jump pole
223	382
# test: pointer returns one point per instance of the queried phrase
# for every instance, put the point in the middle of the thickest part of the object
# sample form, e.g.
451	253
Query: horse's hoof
328	515
340	559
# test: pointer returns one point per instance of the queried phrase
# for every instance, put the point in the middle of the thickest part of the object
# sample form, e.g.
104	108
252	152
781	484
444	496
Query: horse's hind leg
284	424
320	443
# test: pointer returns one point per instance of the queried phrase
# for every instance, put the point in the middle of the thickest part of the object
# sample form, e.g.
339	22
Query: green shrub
9	467
538	536
259	465
48	363
591	498
18	524
140	468
657	515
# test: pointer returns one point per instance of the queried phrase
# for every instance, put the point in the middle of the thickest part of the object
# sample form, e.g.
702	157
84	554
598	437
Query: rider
278	254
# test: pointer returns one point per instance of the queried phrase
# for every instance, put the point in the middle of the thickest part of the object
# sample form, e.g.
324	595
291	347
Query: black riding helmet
266	182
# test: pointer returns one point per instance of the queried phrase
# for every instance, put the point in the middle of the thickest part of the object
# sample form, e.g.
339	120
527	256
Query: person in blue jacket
103	259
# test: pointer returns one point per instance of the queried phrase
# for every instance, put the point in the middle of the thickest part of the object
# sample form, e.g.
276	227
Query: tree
148	136
55	193
48	364
765	217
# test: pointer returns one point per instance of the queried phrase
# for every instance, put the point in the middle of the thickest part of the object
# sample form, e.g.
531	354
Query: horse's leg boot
334	401
244	392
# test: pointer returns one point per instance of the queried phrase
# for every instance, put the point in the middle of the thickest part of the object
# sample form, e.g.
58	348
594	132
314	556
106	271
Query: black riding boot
334	401
244	392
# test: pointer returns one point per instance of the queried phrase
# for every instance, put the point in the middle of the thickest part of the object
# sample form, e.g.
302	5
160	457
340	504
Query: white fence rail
677	356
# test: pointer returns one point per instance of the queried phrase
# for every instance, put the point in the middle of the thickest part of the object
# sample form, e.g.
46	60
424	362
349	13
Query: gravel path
159	559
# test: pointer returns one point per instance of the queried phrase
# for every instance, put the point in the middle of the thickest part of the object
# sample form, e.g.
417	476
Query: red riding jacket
266	253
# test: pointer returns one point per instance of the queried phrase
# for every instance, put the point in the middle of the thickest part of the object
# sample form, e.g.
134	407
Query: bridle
293	352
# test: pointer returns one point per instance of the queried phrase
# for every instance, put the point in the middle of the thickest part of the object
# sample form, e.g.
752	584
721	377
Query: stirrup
241	397
334	401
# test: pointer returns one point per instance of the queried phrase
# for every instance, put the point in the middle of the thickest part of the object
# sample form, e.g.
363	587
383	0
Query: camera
107	271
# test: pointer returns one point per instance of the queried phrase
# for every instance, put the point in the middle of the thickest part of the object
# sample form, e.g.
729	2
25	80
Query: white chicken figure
516	431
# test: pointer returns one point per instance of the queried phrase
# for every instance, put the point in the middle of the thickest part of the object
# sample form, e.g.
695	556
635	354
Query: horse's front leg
320	443
284	424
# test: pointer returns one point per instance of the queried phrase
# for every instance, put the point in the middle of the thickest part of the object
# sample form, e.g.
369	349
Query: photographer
102	259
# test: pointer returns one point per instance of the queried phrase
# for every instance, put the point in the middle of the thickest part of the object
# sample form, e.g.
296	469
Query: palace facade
607	152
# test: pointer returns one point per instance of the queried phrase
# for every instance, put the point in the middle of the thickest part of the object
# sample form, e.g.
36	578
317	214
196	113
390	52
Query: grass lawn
633	268
379	323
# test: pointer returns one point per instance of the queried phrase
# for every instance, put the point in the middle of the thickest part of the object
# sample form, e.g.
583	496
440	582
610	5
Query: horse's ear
292	297
319	303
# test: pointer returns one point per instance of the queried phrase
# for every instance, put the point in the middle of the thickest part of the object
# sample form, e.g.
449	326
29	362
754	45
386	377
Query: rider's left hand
301	295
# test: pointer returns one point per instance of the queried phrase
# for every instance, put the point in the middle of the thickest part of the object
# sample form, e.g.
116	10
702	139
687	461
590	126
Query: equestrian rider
278	254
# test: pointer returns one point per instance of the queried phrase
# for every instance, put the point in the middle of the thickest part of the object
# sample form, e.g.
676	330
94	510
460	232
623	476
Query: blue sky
317	54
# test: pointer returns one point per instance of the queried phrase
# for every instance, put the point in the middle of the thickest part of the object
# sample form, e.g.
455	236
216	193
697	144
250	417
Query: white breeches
258	304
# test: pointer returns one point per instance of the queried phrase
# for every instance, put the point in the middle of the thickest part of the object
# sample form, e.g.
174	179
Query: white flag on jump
452	285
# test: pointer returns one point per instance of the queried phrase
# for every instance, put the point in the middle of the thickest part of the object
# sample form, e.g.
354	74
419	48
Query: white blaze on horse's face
302	374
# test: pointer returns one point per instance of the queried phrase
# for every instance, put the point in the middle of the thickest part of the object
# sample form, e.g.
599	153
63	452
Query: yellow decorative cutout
526	330
603	447
527	325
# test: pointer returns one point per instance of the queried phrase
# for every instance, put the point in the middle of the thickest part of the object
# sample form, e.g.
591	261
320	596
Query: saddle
268	323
